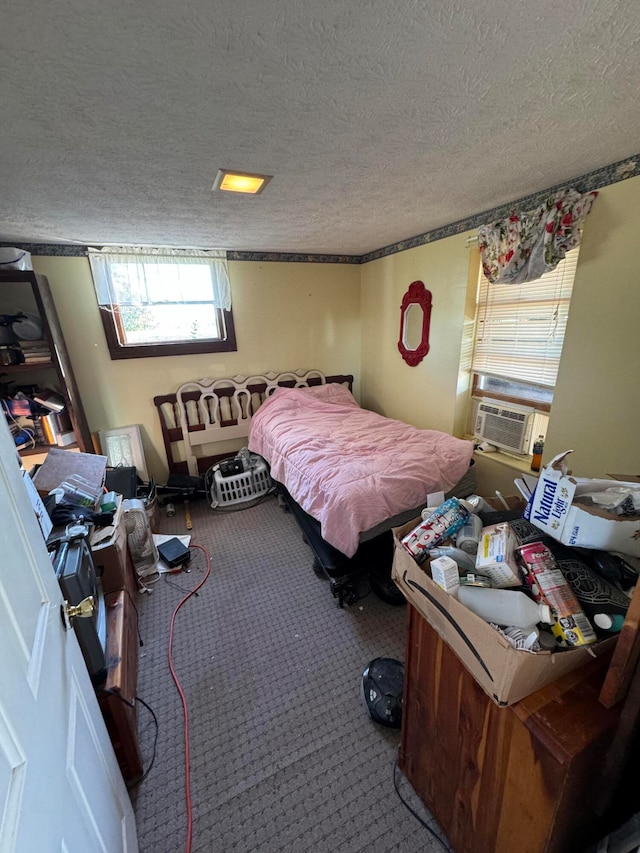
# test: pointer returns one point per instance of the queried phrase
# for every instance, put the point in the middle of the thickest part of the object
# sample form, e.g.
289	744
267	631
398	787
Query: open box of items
518	606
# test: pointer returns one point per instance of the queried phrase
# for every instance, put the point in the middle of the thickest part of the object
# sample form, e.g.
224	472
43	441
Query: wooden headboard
213	410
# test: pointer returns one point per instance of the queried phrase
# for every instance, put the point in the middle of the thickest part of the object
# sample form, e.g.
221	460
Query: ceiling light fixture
240	182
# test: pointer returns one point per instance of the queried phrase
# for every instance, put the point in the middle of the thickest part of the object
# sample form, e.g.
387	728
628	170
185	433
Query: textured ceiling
378	120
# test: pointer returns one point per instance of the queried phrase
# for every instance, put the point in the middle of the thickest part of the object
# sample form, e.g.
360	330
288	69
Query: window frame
111	311
483	393
112	321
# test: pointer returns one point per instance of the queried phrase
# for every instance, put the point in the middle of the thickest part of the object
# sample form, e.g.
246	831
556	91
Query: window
519	336
156	302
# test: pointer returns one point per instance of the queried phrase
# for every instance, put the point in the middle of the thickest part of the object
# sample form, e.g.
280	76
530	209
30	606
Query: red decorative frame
416	294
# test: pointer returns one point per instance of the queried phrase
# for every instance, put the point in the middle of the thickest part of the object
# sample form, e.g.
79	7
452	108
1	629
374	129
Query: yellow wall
346	318
596	409
425	395
287	316
597	403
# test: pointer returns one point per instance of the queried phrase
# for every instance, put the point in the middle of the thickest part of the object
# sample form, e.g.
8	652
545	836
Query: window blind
520	327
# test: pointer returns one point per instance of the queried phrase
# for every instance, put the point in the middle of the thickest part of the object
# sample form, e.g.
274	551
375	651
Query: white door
60	786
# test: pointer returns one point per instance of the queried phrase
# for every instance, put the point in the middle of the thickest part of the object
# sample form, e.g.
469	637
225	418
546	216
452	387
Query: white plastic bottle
504	606
466	562
468	536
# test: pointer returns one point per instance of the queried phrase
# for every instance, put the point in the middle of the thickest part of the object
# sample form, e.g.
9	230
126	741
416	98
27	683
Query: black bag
381	691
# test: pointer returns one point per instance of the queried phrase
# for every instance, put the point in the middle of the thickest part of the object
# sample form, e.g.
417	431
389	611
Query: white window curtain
127	275
520	328
530	243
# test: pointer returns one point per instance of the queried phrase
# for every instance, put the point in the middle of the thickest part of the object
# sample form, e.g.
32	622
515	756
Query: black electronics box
174	553
123	480
230	467
76	572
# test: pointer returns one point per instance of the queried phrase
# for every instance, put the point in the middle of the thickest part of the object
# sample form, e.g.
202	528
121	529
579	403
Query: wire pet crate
239	488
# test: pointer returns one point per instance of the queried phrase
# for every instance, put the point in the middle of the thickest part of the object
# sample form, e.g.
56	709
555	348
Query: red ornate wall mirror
415	321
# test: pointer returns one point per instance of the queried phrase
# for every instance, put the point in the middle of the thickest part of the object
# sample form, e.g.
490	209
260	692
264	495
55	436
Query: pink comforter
349	468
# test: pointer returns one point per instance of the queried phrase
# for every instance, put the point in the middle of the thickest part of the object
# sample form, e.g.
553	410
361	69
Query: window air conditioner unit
507	427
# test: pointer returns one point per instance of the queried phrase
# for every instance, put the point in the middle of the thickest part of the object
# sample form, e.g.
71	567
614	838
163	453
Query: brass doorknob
82	610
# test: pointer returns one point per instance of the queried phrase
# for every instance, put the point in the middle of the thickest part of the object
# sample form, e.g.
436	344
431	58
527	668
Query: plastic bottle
612	622
538	448
478	504
466	562
504	606
468	536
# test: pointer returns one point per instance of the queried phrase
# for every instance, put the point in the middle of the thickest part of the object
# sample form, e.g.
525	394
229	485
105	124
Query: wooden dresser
498	780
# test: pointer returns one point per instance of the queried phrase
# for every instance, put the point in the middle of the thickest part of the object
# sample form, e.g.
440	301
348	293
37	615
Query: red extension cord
187	772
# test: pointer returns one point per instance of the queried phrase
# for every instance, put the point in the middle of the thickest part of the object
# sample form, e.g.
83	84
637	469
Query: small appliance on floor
381	691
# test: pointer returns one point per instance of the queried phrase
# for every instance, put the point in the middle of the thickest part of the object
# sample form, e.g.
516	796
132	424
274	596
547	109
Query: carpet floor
284	756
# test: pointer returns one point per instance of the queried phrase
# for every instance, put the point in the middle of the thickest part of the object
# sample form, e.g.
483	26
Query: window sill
499	458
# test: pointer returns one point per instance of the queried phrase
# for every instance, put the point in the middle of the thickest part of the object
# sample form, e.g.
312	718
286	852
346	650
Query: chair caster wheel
344	592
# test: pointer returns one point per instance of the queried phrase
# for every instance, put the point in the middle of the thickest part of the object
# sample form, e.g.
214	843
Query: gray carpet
284	756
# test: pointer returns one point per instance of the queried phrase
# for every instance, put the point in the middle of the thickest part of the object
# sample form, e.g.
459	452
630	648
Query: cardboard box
38	506
109	552
553	508
627	478
505	674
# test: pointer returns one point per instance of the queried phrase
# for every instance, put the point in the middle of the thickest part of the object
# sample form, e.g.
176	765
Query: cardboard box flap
104	537
559	463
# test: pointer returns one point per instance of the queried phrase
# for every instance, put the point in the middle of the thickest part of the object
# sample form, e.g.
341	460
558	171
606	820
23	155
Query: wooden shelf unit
30	292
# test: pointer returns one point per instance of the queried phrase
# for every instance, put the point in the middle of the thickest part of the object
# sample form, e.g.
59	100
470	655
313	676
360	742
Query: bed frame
210	411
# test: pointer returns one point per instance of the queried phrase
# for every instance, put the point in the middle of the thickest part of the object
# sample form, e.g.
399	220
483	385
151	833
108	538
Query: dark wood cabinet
118	698
522	778
29	292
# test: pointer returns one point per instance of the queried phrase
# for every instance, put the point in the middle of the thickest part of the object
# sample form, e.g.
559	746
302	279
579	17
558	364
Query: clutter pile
525	591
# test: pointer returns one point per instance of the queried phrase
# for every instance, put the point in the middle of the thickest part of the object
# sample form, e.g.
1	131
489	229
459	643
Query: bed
349	468
203	419
306	426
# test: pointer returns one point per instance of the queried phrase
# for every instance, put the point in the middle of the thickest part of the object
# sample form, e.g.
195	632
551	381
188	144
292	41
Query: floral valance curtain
127	275
526	245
